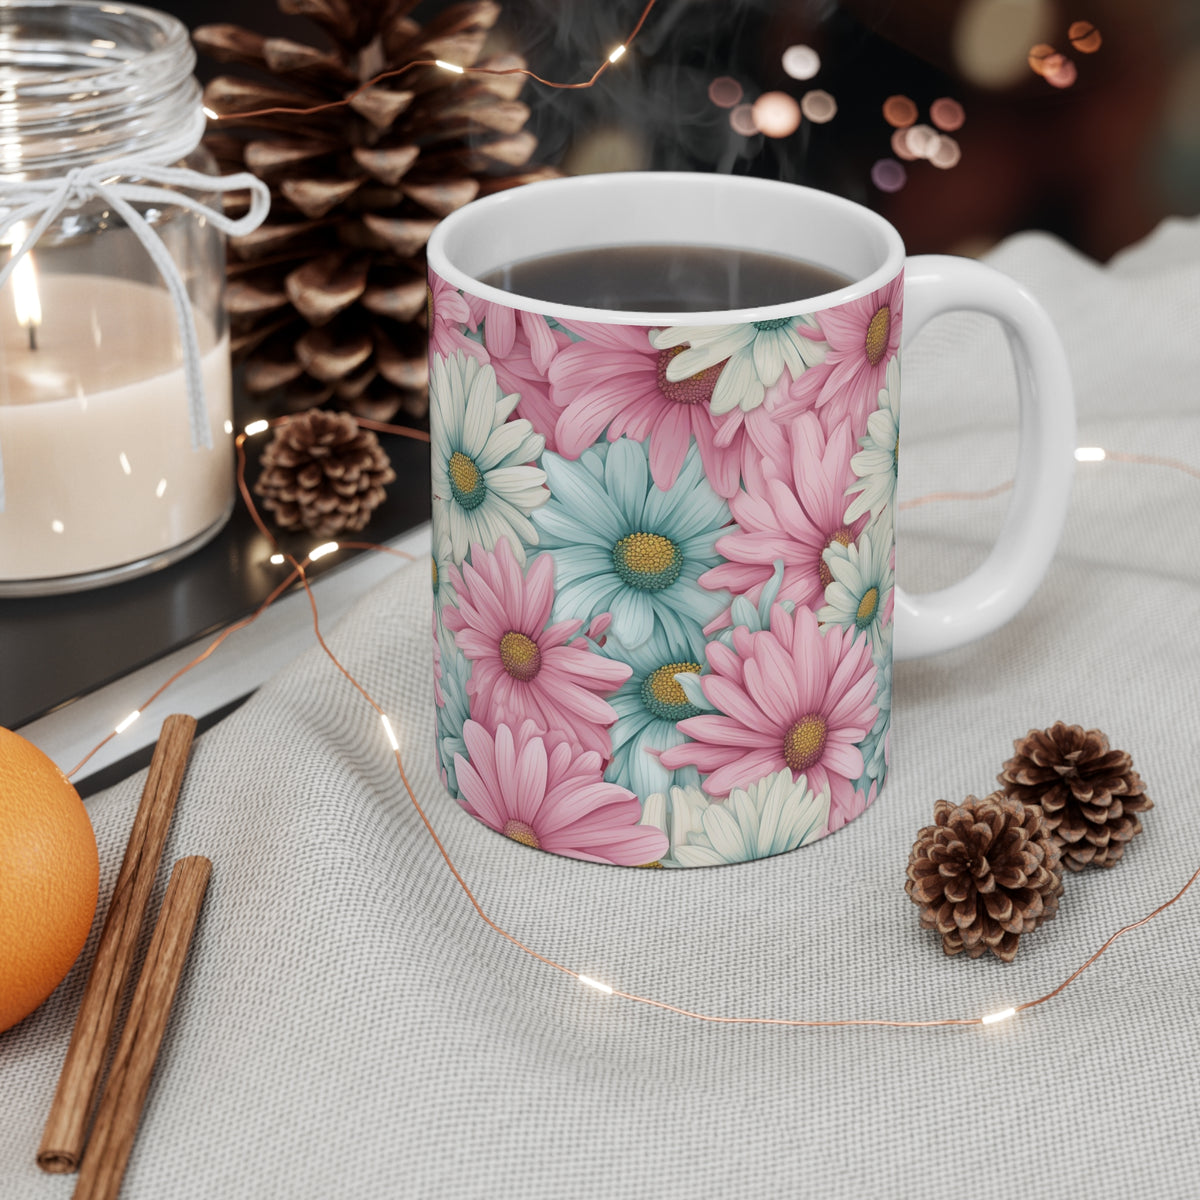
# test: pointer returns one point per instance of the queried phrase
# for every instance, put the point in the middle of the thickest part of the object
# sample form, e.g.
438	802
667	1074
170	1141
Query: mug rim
489	207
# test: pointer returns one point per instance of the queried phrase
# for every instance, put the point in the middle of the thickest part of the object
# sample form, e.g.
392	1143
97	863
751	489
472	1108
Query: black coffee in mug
665	278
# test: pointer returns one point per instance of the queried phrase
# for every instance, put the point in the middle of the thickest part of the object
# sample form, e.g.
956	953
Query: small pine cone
1090	794
985	872
322	473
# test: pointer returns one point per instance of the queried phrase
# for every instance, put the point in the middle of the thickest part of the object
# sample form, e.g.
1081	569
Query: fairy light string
299	574
617	53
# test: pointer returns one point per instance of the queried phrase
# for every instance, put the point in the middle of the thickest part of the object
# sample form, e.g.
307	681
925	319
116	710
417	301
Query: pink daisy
854	806
794	517
862	337
539	790
789	696
522	346
446	314
525	668
763	433
614	379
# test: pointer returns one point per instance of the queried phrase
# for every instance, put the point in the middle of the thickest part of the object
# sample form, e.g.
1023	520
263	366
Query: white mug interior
665	208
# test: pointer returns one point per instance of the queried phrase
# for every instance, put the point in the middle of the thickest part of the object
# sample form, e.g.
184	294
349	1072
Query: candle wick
32	327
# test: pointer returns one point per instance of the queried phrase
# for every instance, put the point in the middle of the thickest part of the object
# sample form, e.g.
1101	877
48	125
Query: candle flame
26	299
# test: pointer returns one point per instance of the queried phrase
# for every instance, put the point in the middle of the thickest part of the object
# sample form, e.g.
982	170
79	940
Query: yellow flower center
647	561
464	474
520	656
466	481
877	335
843	537
433	569
663	685
662	695
867	608
804	742
519	831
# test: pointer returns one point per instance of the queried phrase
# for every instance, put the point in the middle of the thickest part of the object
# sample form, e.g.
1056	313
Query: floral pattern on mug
664	576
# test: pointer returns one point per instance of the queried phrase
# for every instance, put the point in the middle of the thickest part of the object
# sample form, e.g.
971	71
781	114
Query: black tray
54	649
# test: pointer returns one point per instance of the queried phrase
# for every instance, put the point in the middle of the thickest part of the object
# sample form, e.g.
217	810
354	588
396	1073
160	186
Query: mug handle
1000	587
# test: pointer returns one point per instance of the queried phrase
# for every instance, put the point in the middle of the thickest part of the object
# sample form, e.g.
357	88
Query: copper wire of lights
299	572
614	56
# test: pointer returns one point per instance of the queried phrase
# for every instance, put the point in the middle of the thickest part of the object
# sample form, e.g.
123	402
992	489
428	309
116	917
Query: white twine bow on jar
44	200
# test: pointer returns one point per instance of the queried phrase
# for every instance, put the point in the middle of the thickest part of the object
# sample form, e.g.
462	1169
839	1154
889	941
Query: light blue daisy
453	715
649	704
756	617
772	816
483	486
874	745
622	545
754	354
857	595
877	462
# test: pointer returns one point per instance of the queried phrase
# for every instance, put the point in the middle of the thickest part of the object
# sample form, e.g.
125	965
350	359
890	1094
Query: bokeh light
900	145
888	175
1059	71
801	62
818	106
947	114
776	114
724	91
741	117
991	38
946	153
1085	37
899	111
1038	55
921	140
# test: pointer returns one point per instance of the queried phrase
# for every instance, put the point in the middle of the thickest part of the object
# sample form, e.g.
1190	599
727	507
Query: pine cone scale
984	874
1088	791
322	473
372	178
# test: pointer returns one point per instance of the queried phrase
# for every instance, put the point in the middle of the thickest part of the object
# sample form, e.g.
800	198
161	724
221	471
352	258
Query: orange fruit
49	877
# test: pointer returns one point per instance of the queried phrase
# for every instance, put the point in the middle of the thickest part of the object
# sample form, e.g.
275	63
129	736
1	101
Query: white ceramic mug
664	542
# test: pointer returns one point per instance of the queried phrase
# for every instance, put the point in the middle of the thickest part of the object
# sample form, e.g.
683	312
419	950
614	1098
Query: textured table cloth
347	1026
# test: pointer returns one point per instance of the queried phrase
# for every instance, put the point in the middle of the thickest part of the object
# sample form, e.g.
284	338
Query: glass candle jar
115	437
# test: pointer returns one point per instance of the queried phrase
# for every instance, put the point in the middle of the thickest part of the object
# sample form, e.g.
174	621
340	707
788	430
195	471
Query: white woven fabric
349	1027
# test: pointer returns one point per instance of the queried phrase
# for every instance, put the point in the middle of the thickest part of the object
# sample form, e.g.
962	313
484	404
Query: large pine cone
1089	793
327	299
984	873
322	473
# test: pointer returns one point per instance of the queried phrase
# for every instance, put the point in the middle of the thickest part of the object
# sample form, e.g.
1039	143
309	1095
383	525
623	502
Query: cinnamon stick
66	1126
128	1083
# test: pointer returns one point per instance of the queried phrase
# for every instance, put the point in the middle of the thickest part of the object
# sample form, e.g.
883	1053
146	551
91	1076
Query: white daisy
875	464
677	812
482	481
772	816
757	352
441	556
859	597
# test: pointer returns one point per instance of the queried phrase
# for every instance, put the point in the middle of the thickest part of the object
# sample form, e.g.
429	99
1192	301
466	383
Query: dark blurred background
1096	141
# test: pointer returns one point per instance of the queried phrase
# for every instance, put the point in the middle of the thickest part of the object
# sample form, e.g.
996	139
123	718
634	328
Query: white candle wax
94	433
